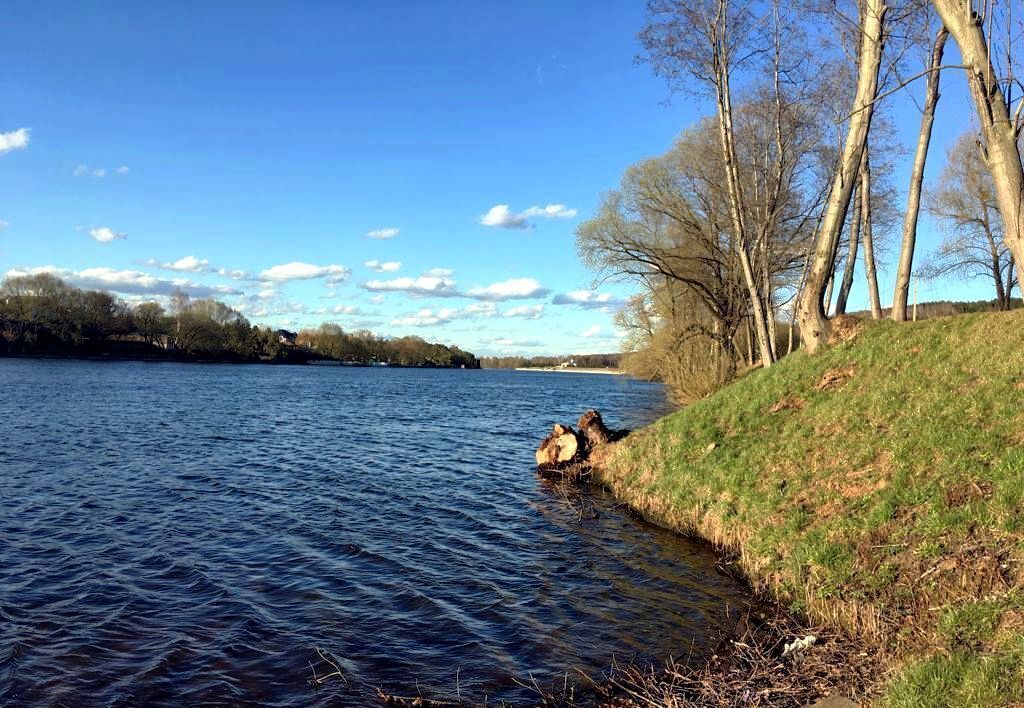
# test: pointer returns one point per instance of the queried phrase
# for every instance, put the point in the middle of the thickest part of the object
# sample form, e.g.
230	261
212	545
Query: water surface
185	534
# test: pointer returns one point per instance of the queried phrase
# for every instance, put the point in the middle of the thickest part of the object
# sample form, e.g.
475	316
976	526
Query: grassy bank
876	488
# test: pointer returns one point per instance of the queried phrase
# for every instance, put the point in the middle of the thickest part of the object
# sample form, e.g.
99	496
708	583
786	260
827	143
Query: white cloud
428	317
188	264
104	234
98	172
4	224
529	312
14	140
551	211
424	318
385	267
514	289
502	217
423	285
234	274
383	234
266	294
588	300
592	331
131	282
288	308
439	272
508	342
377	299
305	271
345	310
481	309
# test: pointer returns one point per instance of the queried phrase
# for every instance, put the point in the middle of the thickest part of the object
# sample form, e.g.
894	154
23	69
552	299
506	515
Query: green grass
889	503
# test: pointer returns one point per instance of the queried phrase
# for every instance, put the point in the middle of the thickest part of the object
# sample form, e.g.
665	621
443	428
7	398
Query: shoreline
222	362
749	658
573	370
899	535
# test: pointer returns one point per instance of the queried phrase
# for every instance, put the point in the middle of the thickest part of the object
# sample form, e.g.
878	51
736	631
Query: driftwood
592	428
563	446
565	449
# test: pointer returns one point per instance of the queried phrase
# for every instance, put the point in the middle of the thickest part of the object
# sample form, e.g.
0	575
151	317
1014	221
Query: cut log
593	429
561	447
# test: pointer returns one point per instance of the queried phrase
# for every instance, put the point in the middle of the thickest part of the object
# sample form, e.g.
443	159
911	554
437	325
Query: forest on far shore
41	315
583	361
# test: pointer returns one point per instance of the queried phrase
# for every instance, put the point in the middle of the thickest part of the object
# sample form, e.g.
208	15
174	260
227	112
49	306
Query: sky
410	167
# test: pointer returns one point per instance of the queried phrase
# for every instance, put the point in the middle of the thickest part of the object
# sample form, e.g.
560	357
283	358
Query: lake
187	533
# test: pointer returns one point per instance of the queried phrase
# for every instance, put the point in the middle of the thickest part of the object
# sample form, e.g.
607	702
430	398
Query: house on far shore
286	338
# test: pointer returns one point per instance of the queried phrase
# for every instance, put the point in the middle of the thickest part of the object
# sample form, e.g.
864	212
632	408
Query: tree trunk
1010	283
997	126
750	344
723	98
851	255
828	291
593	429
1002	301
869	241
561	447
924	137
814	325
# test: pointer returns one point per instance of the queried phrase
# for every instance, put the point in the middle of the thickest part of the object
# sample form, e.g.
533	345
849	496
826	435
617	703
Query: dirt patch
965	492
845	329
834	378
789	402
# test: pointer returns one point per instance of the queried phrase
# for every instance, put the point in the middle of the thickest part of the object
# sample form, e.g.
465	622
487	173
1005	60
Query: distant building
287	338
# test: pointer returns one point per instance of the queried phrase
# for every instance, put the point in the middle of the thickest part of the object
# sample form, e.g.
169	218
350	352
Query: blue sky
252	151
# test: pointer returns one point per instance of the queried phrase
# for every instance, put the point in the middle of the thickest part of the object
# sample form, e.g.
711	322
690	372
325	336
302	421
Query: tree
867	235
814	325
992	97
906	262
965	202
667	229
150	321
708	40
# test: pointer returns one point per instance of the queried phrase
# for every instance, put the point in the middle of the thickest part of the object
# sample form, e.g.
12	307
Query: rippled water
180	534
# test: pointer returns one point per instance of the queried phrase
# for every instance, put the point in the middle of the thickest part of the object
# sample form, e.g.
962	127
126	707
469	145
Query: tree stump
593	429
563	446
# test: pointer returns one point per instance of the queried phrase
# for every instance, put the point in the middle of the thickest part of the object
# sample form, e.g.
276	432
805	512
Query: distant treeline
331	342
947	308
41	315
583	361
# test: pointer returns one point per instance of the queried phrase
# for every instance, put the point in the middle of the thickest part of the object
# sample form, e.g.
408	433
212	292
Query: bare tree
867	236
708	40
992	95
966	203
814	325
851	256
906	262
668	228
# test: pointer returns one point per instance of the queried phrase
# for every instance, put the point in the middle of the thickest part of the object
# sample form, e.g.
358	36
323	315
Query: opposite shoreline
574	370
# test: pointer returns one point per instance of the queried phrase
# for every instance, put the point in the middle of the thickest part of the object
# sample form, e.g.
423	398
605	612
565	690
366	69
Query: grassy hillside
877	487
